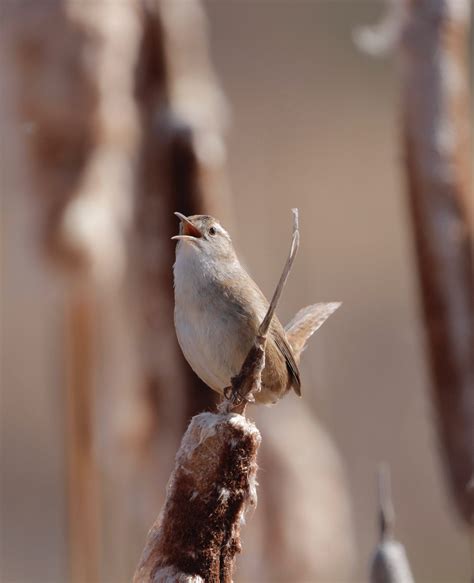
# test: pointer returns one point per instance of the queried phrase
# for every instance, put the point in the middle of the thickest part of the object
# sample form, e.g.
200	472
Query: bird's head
205	235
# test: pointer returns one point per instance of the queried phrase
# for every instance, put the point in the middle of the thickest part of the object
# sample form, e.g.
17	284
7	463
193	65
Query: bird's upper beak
190	231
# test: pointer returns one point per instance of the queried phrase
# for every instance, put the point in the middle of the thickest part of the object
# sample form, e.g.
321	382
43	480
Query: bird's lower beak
189	231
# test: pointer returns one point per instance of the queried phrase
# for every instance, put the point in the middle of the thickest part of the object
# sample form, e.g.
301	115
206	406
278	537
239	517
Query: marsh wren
219	308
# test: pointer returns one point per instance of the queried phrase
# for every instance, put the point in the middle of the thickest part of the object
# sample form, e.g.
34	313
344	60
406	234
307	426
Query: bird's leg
237	396
234	396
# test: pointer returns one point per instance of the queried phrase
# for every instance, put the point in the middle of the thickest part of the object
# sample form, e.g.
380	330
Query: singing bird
219	308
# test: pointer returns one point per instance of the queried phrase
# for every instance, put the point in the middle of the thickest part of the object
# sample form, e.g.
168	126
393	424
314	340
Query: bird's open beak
190	231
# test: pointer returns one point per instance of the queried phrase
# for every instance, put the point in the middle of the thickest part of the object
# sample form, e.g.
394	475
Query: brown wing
278	334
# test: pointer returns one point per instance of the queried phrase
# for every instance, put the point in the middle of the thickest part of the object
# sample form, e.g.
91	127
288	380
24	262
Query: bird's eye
212	231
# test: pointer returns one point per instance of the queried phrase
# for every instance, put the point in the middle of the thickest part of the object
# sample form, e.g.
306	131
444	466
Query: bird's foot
235	401
237	397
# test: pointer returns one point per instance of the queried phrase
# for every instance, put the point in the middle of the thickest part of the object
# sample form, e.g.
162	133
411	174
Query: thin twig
248	382
295	242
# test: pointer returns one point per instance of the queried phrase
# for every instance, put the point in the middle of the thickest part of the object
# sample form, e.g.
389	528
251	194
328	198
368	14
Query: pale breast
214	326
214	338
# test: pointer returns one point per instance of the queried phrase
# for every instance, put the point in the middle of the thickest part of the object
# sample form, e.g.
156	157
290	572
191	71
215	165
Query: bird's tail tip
306	322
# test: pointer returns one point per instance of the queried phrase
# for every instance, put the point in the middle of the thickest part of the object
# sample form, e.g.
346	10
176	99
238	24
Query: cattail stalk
436	141
197	535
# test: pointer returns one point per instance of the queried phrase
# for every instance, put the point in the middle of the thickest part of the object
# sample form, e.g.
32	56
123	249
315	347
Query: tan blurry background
314	125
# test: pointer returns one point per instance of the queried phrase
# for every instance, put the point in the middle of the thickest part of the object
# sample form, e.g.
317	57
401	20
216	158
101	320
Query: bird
219	308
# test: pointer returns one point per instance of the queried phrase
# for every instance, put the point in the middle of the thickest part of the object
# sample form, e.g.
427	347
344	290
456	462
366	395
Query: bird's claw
234	395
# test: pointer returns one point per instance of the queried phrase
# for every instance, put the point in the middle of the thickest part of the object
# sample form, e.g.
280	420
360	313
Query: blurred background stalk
436	112
84	511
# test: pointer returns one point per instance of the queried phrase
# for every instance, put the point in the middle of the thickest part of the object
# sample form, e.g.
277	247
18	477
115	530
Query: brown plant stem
83	477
